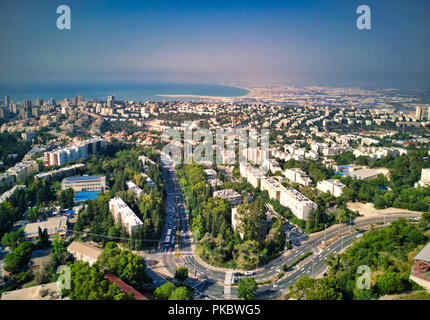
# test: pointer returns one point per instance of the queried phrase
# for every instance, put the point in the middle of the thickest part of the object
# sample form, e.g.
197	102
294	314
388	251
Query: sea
121	91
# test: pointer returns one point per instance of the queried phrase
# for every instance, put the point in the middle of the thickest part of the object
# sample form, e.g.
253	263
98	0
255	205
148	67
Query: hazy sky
246	42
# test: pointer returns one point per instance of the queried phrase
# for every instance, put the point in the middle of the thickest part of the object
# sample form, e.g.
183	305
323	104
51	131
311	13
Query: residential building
425	178
81	150
299	205
62	172
23	169
10	192
124	215
229	194
82	251
298	176
335	187
132	186
84	183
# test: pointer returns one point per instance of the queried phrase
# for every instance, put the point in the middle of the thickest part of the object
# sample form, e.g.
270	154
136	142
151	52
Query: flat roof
78	178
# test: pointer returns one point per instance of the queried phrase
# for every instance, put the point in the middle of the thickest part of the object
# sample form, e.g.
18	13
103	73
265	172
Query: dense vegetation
388	252
12	148
211	221
149	207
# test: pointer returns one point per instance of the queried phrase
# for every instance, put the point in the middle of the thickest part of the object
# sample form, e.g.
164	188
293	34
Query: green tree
67	198
247	288
181	274
389	283
87	283
13	238
18	260
425	221
181	293
43	241
163	292
307	288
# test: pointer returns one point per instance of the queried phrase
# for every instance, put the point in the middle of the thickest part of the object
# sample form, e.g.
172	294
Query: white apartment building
10	192
299	205
379	152
124	215
333	186
251	174
81	150
425	178
132	186
23	169
298	176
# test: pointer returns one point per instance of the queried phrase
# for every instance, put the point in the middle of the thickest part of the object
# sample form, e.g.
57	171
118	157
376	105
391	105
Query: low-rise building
132	186
56	227
84	183
298	176
82	251
421	268
229	194
364	174
124	215
335	187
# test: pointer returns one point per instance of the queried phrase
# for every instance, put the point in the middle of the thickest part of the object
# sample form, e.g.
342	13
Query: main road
210	280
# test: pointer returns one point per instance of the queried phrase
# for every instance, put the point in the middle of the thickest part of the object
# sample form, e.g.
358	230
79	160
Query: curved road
210	281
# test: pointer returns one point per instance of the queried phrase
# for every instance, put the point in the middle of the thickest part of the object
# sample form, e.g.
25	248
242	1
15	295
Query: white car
249	273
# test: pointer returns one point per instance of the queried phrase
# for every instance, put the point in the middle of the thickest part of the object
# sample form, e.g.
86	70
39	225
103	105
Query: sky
249	43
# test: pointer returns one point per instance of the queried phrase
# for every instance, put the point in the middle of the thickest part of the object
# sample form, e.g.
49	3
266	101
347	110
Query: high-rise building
39	102
110	101
7	101
419	113
27	104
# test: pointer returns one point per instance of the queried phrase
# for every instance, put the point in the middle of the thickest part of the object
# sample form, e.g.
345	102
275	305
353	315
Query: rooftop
424	254
80	178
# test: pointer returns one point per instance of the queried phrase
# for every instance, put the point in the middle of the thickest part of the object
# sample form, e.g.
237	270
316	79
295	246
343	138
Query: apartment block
298	176
81	150
23	169
333	186
229	194
124	215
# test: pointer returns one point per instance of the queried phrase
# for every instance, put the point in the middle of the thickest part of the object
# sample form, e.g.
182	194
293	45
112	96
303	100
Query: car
249	273
170	250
